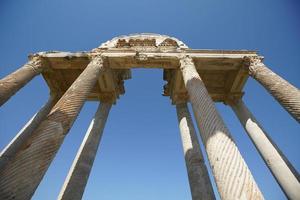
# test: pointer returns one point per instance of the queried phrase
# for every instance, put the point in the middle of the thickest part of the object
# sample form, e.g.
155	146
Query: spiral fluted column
21	176
233	178
77	178
14	146
10	84
284	92
279	168
201	187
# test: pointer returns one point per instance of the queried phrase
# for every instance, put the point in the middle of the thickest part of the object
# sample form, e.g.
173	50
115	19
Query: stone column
279	168
233	178
10	84
14	146
22	175
284	92
77	178
201	187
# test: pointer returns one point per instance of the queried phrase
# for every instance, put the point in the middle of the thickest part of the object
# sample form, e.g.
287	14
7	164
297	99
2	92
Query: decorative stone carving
96	60
284	92
185	60
37	63
99	75
169	42
252	64
10	84
28	166
220	147
144	41
141	57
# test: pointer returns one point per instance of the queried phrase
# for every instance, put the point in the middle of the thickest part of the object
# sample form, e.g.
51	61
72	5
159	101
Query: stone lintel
223	80
221	70
109	87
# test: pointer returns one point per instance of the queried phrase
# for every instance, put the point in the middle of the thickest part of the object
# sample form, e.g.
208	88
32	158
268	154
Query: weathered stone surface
143	41
233	178
23	173
223	76
284	92
77	178
270	154
14	146
10	84
219	69
201	187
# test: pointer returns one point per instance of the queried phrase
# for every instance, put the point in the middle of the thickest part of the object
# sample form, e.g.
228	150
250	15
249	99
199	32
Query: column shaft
233	178
10	84
284	92
14	146
279	168
21	176
201	187
77	178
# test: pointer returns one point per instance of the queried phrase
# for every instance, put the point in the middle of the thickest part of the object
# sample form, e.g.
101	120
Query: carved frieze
143	42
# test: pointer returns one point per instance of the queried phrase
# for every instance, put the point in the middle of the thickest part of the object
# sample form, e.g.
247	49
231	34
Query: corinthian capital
253	63
96	59
37	63
186	61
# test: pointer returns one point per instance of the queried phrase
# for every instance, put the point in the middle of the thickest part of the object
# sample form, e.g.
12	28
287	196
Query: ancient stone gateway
200	77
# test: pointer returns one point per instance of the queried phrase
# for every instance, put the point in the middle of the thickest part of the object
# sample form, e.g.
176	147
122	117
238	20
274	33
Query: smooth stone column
284	92
279	168
10	84
21	176
233	178
14	146
77	178
201	187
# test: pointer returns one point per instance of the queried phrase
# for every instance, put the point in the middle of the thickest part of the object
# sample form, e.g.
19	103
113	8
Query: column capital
284	92
185	60
13	82
252	64
96	59
220	146
37	63
47	138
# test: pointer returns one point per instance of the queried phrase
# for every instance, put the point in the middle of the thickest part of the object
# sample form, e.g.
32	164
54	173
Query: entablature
221	70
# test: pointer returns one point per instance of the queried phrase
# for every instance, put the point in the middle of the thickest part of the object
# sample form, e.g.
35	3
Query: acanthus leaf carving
252	64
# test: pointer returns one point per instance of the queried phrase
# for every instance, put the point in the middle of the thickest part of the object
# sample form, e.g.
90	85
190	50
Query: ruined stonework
195	76
285	93
233	182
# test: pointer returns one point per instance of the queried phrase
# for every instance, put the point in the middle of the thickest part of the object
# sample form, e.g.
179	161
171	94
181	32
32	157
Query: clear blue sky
140	156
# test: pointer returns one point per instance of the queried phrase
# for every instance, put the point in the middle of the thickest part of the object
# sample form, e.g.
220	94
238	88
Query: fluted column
10	84
284	92
233	178
77	178
24	172
201	187
279	168
14	146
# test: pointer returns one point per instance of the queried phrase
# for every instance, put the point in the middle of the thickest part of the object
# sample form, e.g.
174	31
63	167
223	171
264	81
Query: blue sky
140	155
